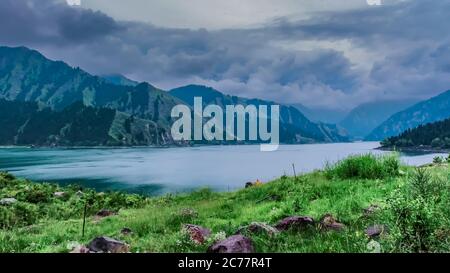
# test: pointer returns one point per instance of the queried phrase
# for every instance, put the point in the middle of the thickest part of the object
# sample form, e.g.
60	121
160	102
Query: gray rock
233	244
295	222
7	201
105	213
257	227
107	245
376	230
328	222
198	234
126	231
59	194
372	209
80	249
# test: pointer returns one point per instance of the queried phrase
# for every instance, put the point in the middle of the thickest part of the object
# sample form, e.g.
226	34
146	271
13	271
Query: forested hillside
436	135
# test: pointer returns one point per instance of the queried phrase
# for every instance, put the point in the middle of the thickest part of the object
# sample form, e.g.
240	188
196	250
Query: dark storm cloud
413	19
80	25
51	22
316	61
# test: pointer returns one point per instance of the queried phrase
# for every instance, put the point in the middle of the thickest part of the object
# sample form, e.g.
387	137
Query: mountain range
293	123
129	113
135	113
366	117
428	111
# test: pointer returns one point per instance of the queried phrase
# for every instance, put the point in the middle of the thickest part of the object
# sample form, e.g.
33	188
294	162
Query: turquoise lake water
162	170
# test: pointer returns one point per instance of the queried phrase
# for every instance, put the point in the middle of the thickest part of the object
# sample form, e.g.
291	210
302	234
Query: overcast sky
321	53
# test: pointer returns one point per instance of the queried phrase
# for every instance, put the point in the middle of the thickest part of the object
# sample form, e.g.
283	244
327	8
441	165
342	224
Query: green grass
156	222
367	166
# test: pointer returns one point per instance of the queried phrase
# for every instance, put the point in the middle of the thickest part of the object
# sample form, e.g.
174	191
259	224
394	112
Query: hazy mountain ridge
428	111
366	117
324	115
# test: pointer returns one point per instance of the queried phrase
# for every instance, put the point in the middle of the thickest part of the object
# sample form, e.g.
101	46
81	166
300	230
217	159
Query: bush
417	212
6	175
18	214
438	160
447	142
36	201
404	143
437	142
5	179
37	195
365	167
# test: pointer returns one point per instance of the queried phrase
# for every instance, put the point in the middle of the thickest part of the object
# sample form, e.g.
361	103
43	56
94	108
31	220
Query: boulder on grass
372	209
328	222
294	222
107	245
80	249
105	213
198	234
233	244
8	201
126	231
59	194
376	230
257	227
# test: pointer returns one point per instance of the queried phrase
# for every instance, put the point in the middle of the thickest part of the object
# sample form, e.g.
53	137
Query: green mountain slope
26	75
434	109
24	123
148	102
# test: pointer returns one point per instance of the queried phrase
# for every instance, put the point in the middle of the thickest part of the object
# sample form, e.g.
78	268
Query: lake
161	170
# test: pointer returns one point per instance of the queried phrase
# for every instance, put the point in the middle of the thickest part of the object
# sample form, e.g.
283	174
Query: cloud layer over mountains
333	59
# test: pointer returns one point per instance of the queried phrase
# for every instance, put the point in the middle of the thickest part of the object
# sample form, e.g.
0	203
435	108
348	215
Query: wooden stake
293	167
84	219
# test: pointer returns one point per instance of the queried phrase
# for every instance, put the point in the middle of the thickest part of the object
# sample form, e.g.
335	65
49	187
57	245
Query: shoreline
415	149
166	146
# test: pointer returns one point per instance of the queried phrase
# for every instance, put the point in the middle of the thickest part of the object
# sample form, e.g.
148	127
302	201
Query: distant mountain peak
434	109
367	116
195	89
145	86
119	79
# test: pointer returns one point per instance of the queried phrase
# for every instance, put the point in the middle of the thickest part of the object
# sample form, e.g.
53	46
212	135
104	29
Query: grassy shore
359	192
416	149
